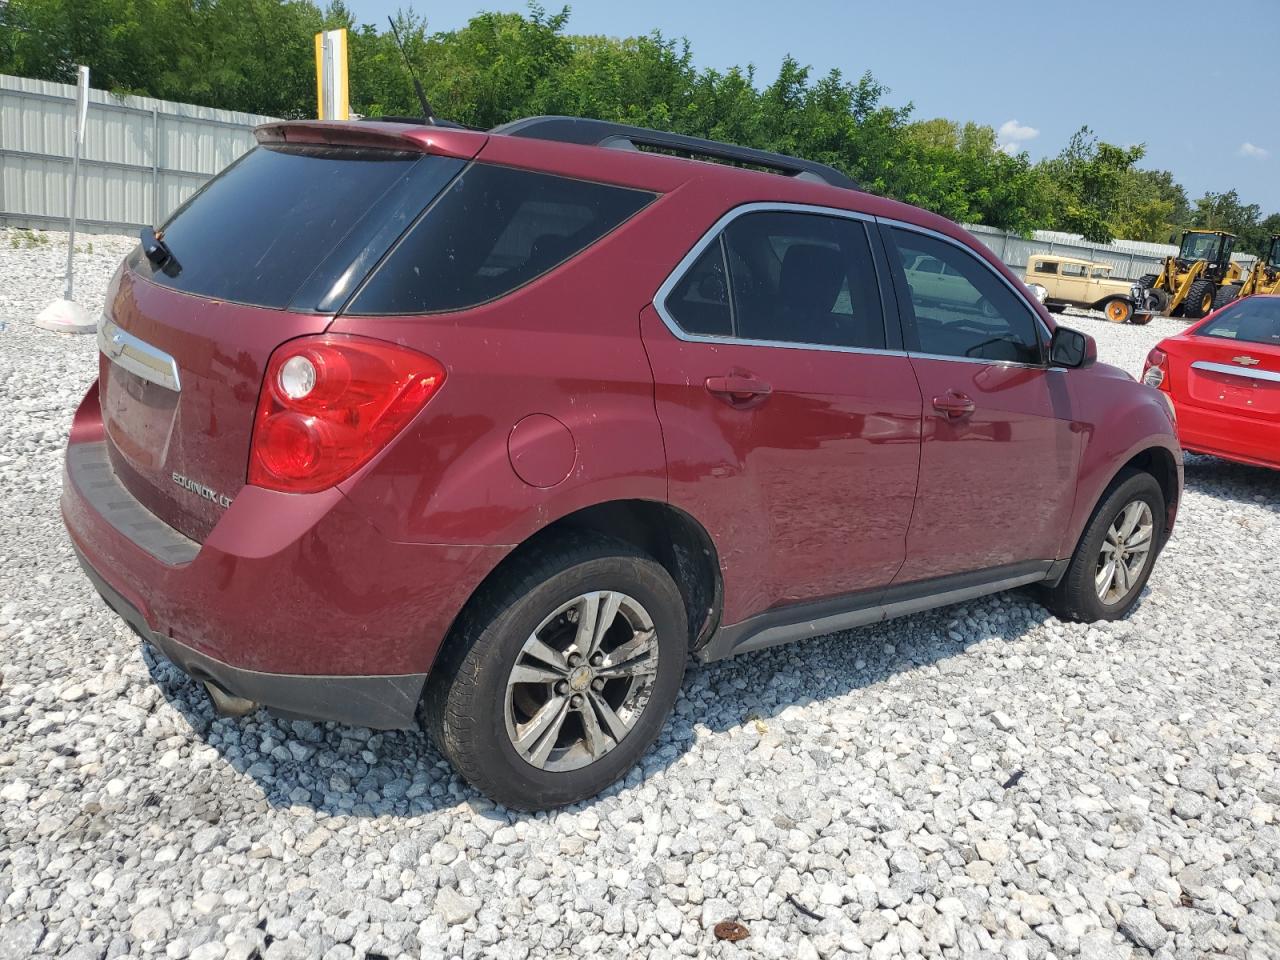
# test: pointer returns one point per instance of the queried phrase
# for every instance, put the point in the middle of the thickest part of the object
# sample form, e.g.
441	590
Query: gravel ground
979	781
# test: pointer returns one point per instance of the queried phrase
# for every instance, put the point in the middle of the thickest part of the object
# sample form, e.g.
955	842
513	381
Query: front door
792	432
1000	451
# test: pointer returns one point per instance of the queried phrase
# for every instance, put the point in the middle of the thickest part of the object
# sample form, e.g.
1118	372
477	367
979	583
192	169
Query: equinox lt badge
200	490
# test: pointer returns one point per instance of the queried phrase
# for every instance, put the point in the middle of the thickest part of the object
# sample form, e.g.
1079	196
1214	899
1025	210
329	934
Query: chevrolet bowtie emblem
1246	361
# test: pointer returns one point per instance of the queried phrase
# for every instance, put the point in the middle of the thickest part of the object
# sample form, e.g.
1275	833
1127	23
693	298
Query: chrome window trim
1022	295
137	356
714	232
990	363
1245	373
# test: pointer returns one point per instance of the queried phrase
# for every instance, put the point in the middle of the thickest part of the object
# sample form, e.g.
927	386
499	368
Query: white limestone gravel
981	781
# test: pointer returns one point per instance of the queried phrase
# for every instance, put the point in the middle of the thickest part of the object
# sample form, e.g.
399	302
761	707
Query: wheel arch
672	537
1153	458
1158	461
1103	301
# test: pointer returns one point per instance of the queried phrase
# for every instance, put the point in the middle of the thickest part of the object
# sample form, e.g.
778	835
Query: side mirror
1071	349
1173	238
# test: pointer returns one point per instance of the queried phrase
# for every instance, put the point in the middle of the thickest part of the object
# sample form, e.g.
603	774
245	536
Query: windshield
1274	259
1199	246
1251	320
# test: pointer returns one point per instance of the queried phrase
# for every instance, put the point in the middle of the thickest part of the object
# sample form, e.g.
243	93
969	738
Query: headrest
811	278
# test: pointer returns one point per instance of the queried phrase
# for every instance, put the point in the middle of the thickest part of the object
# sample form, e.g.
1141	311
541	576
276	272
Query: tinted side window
1046	266
493	230
803	278
967	311
699	303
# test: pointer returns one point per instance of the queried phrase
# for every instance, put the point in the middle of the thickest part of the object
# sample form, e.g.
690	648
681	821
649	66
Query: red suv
505	426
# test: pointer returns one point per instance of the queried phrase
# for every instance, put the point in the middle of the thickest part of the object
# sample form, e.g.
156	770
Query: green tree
1088	180
1225	211
1151	206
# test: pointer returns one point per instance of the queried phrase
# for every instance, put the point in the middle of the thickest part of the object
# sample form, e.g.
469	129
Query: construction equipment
1263	278
1190	279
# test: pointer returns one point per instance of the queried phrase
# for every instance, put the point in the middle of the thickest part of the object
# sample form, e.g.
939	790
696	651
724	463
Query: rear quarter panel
565	346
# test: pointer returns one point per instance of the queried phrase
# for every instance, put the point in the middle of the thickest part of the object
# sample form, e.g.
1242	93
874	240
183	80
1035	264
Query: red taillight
1153	371
329	403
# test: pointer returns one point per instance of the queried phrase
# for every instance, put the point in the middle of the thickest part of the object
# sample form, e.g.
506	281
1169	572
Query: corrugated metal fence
1129	259
142	157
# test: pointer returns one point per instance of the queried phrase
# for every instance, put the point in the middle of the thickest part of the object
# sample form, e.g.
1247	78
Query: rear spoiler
440	141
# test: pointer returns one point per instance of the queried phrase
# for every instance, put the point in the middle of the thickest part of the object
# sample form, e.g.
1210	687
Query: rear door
1073	283
790	416
1000	450
264	253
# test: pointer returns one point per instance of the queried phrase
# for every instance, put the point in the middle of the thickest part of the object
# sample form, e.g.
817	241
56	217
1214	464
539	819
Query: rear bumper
295	602
1242	439
384	703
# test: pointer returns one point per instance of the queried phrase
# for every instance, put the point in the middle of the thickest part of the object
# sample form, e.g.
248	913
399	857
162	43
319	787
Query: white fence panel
142	157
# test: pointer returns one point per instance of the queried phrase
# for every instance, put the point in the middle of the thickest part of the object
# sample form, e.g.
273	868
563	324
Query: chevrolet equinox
498	429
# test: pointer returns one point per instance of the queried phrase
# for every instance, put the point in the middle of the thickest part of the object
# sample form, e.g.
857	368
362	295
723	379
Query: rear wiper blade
158	251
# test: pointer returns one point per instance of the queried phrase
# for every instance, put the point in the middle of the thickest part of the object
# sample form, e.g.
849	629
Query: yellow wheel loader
1191	278
1263	278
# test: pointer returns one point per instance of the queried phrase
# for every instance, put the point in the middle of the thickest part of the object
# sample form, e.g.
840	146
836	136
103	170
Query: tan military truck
1072	282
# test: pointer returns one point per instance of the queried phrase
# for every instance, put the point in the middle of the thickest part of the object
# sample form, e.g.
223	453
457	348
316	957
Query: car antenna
417	86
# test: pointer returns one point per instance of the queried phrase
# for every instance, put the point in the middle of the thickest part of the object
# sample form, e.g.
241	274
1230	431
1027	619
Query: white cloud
1013	136
1248	149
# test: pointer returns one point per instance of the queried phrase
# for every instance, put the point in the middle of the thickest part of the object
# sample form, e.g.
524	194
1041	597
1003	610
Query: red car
1223	376
501	428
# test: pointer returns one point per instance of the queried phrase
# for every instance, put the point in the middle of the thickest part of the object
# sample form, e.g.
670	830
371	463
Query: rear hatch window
284	225
1252	320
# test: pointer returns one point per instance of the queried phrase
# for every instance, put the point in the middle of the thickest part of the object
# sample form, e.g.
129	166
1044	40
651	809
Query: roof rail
620	136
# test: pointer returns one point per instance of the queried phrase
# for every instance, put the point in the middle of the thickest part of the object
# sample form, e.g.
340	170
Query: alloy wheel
581	681
1125	552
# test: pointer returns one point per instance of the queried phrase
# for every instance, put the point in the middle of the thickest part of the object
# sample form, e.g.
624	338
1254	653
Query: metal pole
155	167
326	74
77	133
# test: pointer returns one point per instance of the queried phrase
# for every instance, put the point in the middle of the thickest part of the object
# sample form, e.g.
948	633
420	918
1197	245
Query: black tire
1161	300
1076	596
464	704
1148	280
1199	300
1226	295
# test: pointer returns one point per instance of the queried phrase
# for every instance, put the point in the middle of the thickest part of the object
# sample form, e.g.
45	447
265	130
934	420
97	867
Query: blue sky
1035	70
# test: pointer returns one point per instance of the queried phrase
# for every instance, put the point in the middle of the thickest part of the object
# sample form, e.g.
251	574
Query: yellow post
320	76
332	101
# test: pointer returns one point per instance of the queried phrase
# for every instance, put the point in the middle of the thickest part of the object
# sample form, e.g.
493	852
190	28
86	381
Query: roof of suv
572	132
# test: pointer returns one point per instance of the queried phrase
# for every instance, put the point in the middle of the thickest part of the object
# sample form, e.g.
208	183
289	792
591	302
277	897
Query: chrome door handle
954	405
739	390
